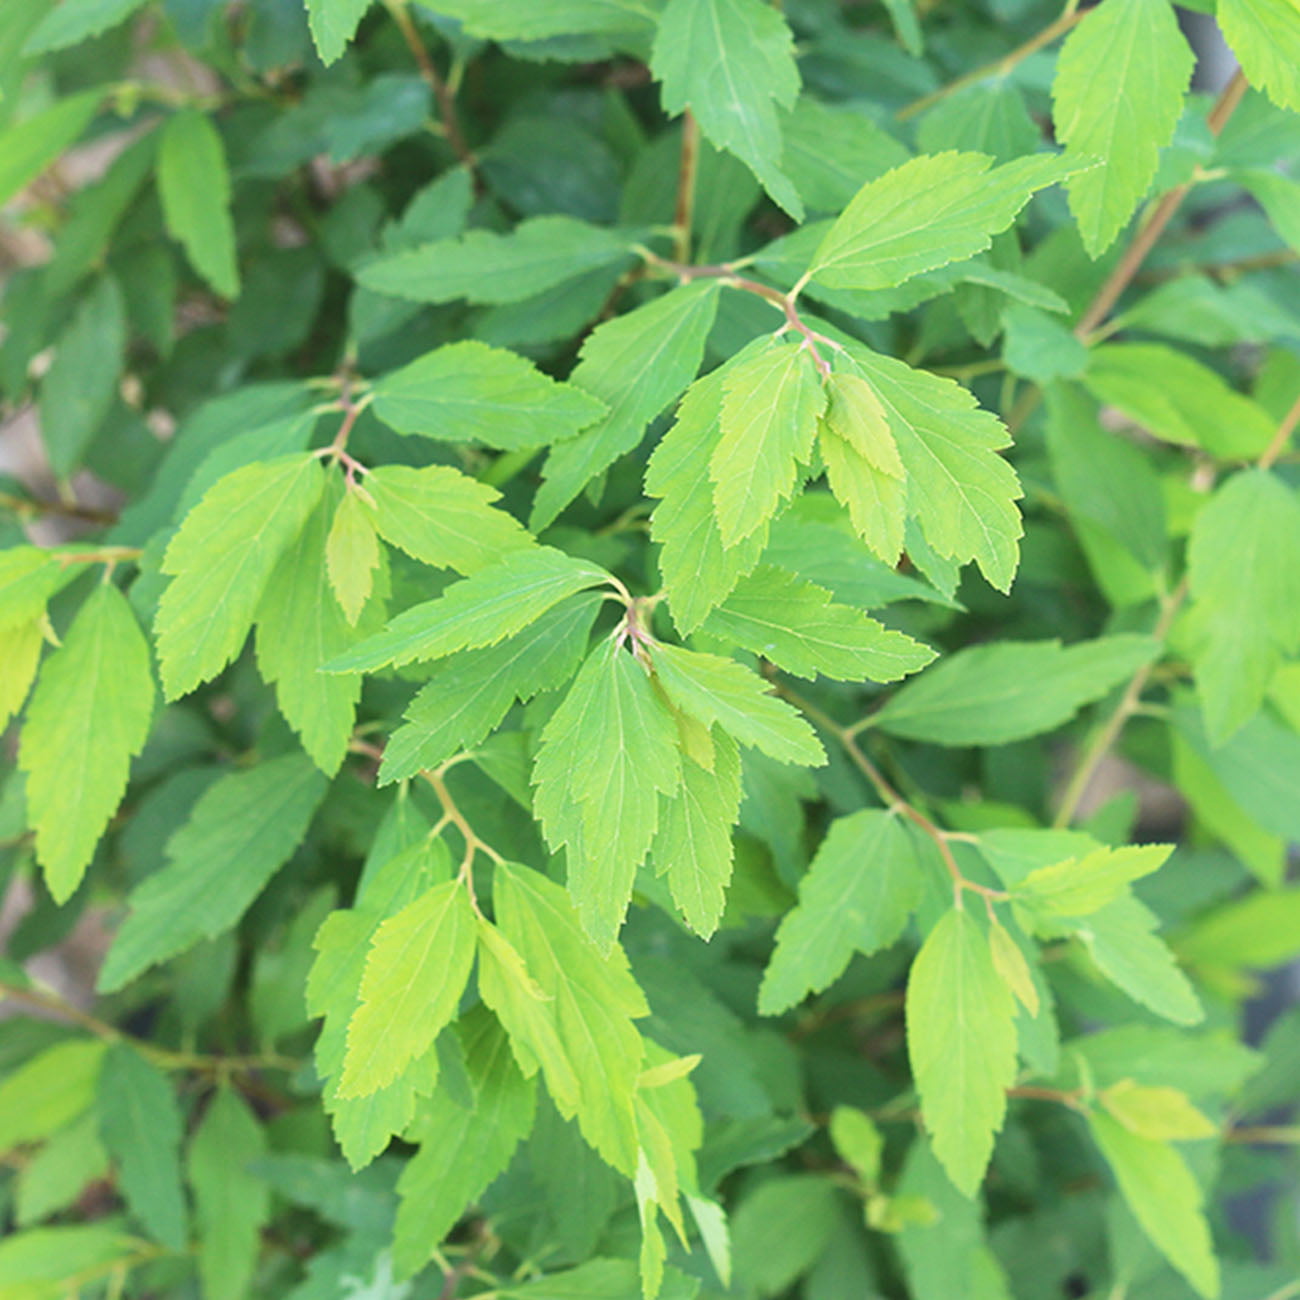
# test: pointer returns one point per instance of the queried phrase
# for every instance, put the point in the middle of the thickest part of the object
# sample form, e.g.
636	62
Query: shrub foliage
610	576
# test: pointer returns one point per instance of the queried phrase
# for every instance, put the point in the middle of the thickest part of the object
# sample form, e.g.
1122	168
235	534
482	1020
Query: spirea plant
662	638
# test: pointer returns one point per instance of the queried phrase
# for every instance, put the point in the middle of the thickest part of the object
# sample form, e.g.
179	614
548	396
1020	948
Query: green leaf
194	184
88	717
333	24
56	1176
698	569
721	692
1243	630
243	828
1120	939
862	886
798	626
926	213
862	463
82	382
960	490
1178	399
416	971
1162	1114
406	865
230	1204
768	421
601	1279
1279	196
442	517
75	20
1105	481
508	20
462	1151
469	392
1117	97
731	62
300	627
961	1039
607	754
636	365
1079	886
49	1263
351	554
1258	932
29	146
1265	37
1165	1199
779	1230
141	1126
483	267
471	692
495	603
49	1091
994	694
221	559
29	576
566	1008
831	148
693	844
23	642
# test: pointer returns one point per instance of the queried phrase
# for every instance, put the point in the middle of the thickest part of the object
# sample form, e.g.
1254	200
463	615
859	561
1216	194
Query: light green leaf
483	267
601	1279
495	603
1165	1199
140	1123
469	693
23	642
768	421
29	146
1117	97
230	1204
1120	939
221	559
580	1026
508	20
1265	37
607	754
862	886
800	628
416	971
731	62
351	554
1160	1113
862	463
693	844
333	24
960	490
300	627
721	692
442	517
1178	399
1258	932
1243	630
1079	886
29	576
75	20
194	183
82	382
470	392
55	1177
49	1091
994	694
636	364
698	569
243	828
858	1141
50	1263
926	213
89	716
1279	196
461	1151
961	1038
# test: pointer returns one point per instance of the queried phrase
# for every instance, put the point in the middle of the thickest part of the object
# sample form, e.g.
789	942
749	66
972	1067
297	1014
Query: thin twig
1282	437
684	211
429	71
999	67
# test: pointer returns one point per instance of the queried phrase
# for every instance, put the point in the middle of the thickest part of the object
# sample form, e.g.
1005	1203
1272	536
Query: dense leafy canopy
589	568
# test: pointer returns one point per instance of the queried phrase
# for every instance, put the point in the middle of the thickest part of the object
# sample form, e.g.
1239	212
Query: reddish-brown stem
1033	1093
429	71
1151	230
684	211
999	67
